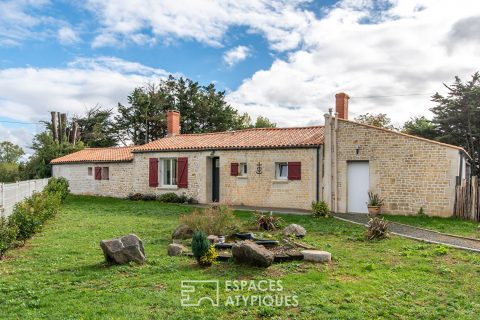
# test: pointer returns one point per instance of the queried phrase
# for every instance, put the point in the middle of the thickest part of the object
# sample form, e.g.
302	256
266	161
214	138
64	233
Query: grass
60	273
447	225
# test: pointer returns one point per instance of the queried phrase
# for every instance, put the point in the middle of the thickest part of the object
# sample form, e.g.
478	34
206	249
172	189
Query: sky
276	58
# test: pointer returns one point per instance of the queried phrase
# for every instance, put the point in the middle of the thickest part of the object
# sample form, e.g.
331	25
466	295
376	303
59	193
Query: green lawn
60	273
447	225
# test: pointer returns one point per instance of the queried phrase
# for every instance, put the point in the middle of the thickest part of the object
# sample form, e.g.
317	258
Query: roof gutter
231	148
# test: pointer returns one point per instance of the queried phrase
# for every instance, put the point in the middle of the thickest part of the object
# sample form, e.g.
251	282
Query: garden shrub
376	229
210	257
30	214
58	186
140	196
267	222
200	244
24	219
8	235
320	209
169	197
217	220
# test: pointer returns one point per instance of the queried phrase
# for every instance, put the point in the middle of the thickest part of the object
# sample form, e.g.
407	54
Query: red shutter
98	173
182	172
294	171
234	169
153	172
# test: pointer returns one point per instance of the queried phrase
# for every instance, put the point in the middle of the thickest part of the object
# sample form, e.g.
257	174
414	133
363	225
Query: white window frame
278	168
90	171
242	169
173	169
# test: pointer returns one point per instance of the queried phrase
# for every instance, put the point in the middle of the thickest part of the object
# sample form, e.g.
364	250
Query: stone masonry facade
258	188
119	183
407	172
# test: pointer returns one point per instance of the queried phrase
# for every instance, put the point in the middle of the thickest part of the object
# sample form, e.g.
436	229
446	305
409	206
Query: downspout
317	196
460	169
335	171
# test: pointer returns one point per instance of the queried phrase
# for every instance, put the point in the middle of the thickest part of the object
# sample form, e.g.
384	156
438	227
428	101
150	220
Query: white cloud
19	20
28	94
281	21
406	50
236	55
67	35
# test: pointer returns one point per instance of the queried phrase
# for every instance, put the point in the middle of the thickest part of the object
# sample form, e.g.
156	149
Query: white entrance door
357	185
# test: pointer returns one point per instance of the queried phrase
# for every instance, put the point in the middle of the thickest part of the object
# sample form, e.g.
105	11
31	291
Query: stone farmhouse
280	167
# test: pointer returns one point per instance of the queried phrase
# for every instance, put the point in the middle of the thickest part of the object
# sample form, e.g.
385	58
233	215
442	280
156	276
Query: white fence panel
11	193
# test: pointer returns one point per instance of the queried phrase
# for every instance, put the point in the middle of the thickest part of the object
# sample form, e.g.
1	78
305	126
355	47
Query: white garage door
358	185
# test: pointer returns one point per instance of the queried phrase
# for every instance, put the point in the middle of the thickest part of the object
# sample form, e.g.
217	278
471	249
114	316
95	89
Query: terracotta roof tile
242	139
113	154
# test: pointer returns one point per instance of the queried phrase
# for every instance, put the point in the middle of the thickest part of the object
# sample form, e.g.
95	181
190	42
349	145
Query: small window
281	170
105	173
242	170
90	171
168	169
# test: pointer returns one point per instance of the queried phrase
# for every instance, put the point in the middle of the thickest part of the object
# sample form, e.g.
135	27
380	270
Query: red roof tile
113	154
242	139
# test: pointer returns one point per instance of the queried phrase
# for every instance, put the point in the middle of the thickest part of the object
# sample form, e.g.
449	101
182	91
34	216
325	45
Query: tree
97	128
9	172
264	122
457	116
202	108
45	150
9	152
421	127
380	120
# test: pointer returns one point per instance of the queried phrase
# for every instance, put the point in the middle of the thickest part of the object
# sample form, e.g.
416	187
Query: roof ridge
243	130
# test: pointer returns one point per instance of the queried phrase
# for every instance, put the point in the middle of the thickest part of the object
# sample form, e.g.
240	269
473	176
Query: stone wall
118	185
409	173
197	166
253	190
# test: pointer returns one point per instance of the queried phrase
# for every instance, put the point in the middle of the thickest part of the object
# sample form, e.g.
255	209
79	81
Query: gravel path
417	233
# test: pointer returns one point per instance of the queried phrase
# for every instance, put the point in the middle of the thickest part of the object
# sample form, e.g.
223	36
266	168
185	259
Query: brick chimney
341	104
173	123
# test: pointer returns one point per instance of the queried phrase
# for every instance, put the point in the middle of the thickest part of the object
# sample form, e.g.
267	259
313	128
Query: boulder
213	239
175	249
317	256
182	232
252	254
295	230
123	250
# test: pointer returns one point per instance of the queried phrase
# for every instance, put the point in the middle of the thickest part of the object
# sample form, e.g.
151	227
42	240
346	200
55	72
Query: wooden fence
467	200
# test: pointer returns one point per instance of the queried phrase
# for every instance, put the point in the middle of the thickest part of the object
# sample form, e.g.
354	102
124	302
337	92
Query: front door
216	179
358	183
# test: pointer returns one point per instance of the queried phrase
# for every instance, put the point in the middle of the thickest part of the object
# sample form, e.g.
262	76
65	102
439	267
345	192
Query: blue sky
280	59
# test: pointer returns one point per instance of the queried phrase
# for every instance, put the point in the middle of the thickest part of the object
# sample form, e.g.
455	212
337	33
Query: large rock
295	230
175	249
182	232
252	254
123	250
213	239
317	256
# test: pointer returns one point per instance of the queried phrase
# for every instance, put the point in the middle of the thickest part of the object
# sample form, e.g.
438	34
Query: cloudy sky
282	59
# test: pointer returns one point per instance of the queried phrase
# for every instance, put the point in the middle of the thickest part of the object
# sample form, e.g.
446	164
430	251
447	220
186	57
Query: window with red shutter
234	169
182	172
294	171
98	173
153	172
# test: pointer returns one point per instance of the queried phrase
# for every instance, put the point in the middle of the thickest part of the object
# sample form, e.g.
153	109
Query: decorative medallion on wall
259	168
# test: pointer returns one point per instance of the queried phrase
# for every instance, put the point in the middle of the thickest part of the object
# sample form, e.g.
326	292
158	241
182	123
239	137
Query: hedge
30	214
